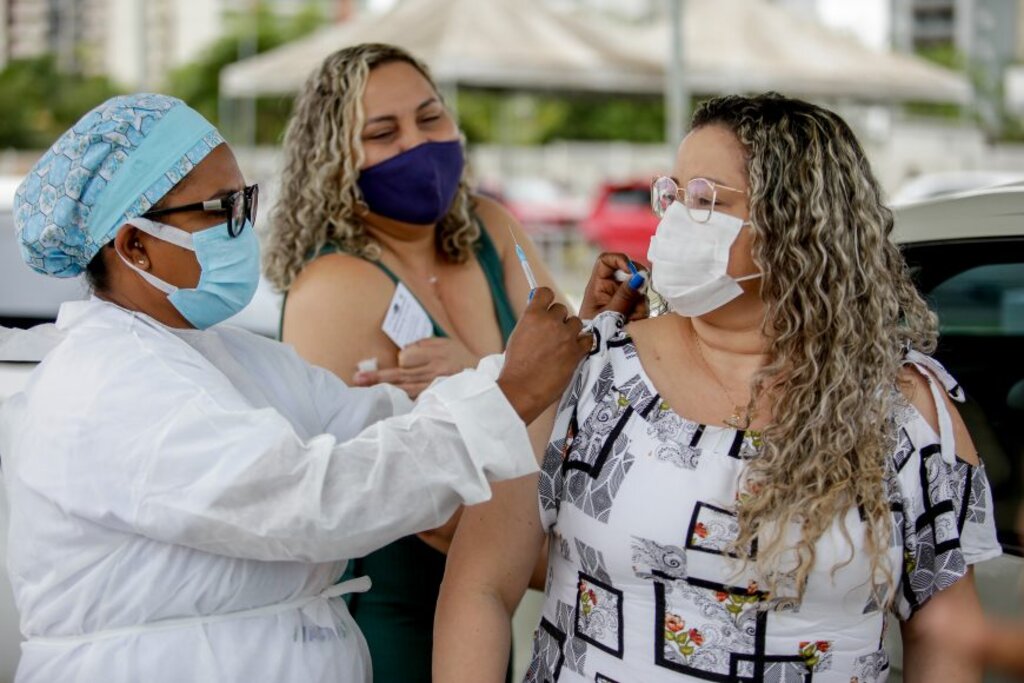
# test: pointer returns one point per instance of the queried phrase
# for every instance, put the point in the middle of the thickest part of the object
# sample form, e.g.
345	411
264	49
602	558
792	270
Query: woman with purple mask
375	206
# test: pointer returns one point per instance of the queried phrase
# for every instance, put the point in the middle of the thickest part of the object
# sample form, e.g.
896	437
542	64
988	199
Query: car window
630	197
986	300
977	291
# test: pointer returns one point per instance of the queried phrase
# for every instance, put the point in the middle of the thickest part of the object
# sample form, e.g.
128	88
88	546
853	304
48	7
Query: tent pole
248	45
677	98
450	95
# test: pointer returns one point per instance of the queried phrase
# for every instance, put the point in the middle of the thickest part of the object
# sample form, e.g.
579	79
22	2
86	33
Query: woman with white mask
184	495
741	489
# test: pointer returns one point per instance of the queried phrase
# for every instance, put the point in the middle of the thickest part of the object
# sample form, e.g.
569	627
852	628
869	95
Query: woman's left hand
420	364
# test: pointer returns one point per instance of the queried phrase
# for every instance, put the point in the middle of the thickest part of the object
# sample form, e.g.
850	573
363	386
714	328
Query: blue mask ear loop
161	231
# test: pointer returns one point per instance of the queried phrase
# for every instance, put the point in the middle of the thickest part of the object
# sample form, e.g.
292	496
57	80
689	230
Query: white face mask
689	261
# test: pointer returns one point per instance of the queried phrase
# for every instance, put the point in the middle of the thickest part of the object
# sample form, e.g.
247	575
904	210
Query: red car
621	219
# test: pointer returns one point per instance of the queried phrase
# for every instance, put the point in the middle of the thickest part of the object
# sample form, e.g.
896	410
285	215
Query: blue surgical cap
111	166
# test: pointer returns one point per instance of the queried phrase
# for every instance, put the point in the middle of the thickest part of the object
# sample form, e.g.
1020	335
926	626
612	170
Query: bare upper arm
914	386
334	311
497	542
932	651
497	220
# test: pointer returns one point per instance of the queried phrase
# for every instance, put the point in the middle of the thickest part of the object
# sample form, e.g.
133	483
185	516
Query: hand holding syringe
600	293
525	265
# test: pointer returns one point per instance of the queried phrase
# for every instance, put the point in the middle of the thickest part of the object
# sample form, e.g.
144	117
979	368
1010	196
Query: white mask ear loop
167	233
754	276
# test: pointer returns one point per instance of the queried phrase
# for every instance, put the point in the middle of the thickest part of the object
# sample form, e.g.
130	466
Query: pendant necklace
741	417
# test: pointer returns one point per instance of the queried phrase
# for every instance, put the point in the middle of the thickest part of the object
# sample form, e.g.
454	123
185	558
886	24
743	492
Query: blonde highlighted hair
841	311
320	202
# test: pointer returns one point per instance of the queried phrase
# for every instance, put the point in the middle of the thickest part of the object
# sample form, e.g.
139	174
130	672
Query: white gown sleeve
241	483
159	448
344	409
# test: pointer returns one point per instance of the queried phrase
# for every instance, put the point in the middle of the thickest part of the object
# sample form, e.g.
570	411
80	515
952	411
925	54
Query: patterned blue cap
113	165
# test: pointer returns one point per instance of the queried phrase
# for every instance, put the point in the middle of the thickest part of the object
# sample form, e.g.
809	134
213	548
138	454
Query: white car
933	185
966	252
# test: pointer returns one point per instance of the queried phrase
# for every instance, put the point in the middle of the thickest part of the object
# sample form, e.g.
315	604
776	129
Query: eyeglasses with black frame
240	207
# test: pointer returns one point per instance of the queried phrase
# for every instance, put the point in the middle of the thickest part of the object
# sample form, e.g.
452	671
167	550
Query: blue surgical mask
416	186
230	270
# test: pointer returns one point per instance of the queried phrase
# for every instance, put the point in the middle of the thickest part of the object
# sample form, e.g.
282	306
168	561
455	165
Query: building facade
156	36
979	30
71	30
985	37
134	42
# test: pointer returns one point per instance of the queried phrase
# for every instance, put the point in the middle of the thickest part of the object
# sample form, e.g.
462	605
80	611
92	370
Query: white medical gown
180	500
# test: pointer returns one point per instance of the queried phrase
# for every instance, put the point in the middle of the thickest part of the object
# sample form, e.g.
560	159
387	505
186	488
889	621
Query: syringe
527	271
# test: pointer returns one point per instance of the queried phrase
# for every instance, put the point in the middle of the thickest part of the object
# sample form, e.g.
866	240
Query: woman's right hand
420	364
542	353
605	293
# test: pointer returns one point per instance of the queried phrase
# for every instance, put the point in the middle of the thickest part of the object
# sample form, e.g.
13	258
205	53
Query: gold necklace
741	417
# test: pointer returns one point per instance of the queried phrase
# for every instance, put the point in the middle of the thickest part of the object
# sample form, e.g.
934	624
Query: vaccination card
406	322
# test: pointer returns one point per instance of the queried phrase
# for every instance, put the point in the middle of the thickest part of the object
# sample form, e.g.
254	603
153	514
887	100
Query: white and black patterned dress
638	502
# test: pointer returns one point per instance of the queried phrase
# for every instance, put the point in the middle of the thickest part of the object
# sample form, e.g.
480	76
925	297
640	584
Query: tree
38	102
490	116
198	83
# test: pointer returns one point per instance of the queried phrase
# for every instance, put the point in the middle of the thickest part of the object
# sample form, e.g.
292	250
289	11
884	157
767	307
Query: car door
976	287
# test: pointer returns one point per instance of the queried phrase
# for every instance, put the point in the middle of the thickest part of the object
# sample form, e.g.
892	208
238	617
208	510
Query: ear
130	247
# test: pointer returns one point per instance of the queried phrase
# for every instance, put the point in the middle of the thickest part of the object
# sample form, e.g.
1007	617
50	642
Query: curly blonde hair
320	202
841	312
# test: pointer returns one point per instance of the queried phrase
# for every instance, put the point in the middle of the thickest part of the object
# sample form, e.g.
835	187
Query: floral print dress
638	504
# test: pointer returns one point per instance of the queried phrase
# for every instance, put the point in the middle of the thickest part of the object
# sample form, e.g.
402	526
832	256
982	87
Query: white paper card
406	322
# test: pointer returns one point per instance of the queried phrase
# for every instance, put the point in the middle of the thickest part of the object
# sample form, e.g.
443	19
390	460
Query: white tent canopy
751	46
728	46
510	44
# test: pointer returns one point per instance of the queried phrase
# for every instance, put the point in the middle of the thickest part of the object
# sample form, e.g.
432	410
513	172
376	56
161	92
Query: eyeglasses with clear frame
240	207
699	196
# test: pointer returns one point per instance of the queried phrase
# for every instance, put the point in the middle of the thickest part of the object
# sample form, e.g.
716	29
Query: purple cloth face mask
416	186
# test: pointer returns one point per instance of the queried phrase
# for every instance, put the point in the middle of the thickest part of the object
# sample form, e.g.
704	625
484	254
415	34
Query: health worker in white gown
183	496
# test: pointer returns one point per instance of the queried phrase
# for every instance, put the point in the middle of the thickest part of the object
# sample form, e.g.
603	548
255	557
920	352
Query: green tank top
490	262
397	615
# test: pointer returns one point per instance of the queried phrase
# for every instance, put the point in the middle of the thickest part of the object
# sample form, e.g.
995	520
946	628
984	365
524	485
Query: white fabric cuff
494	434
